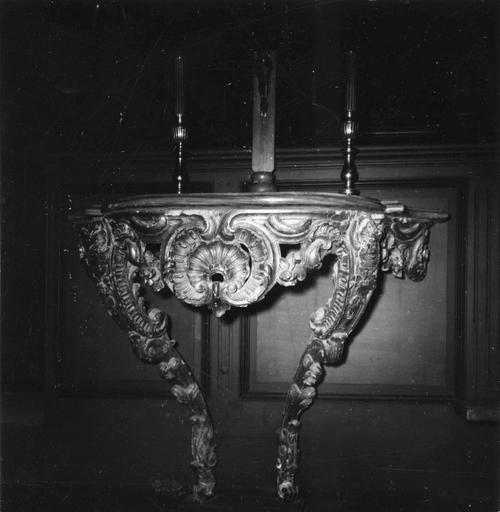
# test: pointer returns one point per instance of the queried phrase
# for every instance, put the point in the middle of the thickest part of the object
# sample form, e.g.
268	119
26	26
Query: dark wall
87	76
392	419
87	112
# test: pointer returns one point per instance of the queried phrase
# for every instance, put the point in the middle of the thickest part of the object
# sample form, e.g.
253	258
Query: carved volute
229	250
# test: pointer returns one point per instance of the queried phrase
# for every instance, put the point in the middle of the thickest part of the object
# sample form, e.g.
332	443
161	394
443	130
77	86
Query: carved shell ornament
216	272
224	250
223	255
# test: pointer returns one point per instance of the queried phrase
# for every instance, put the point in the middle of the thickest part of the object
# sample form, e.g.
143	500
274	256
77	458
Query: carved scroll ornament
405	249
354	280
116	259
209	253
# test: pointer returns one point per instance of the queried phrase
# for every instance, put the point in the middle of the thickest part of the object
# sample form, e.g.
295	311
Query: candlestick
349	174
179	132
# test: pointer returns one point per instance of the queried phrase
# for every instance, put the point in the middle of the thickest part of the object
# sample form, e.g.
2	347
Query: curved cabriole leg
117	260
174	369
185	389
354	279
300	397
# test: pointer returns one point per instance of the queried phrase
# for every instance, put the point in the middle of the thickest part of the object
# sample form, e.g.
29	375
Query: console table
228	250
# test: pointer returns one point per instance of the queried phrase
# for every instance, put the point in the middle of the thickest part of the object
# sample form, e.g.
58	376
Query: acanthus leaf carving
405	248
322	238
117	260
230	255
150	271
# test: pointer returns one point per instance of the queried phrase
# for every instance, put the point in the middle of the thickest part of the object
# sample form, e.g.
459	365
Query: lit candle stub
179	88
351	82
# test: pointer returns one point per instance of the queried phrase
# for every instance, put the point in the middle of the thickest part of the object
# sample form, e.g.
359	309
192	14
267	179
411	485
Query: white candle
179	88
351	82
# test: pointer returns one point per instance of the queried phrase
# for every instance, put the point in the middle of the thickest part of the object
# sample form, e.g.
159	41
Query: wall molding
364	392
465	160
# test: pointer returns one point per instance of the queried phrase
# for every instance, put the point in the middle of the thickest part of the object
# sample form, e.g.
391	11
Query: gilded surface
354	278
406	249
119	264
223	256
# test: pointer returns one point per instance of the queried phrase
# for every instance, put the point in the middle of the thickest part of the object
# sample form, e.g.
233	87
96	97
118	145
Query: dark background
86	114
87	76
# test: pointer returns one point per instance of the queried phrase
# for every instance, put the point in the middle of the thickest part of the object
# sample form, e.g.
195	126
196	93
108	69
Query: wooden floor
19	498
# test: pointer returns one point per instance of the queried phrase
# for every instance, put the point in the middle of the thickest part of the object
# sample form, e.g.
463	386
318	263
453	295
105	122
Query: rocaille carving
115	258
319	240
406	249
150	271
201	272
354	279
231	266
224	256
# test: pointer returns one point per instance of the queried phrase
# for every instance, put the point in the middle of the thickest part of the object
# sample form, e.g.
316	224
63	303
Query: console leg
354	280
300	397
116	259
184	387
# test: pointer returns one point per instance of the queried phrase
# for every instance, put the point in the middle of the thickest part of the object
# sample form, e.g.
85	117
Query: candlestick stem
179	132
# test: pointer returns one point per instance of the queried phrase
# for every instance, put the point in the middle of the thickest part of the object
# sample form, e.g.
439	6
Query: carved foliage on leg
288	459
364	248
187	392
354	279
119	263
300	397
113	255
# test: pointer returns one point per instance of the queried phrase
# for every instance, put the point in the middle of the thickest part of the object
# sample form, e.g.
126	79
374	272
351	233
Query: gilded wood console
229	250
